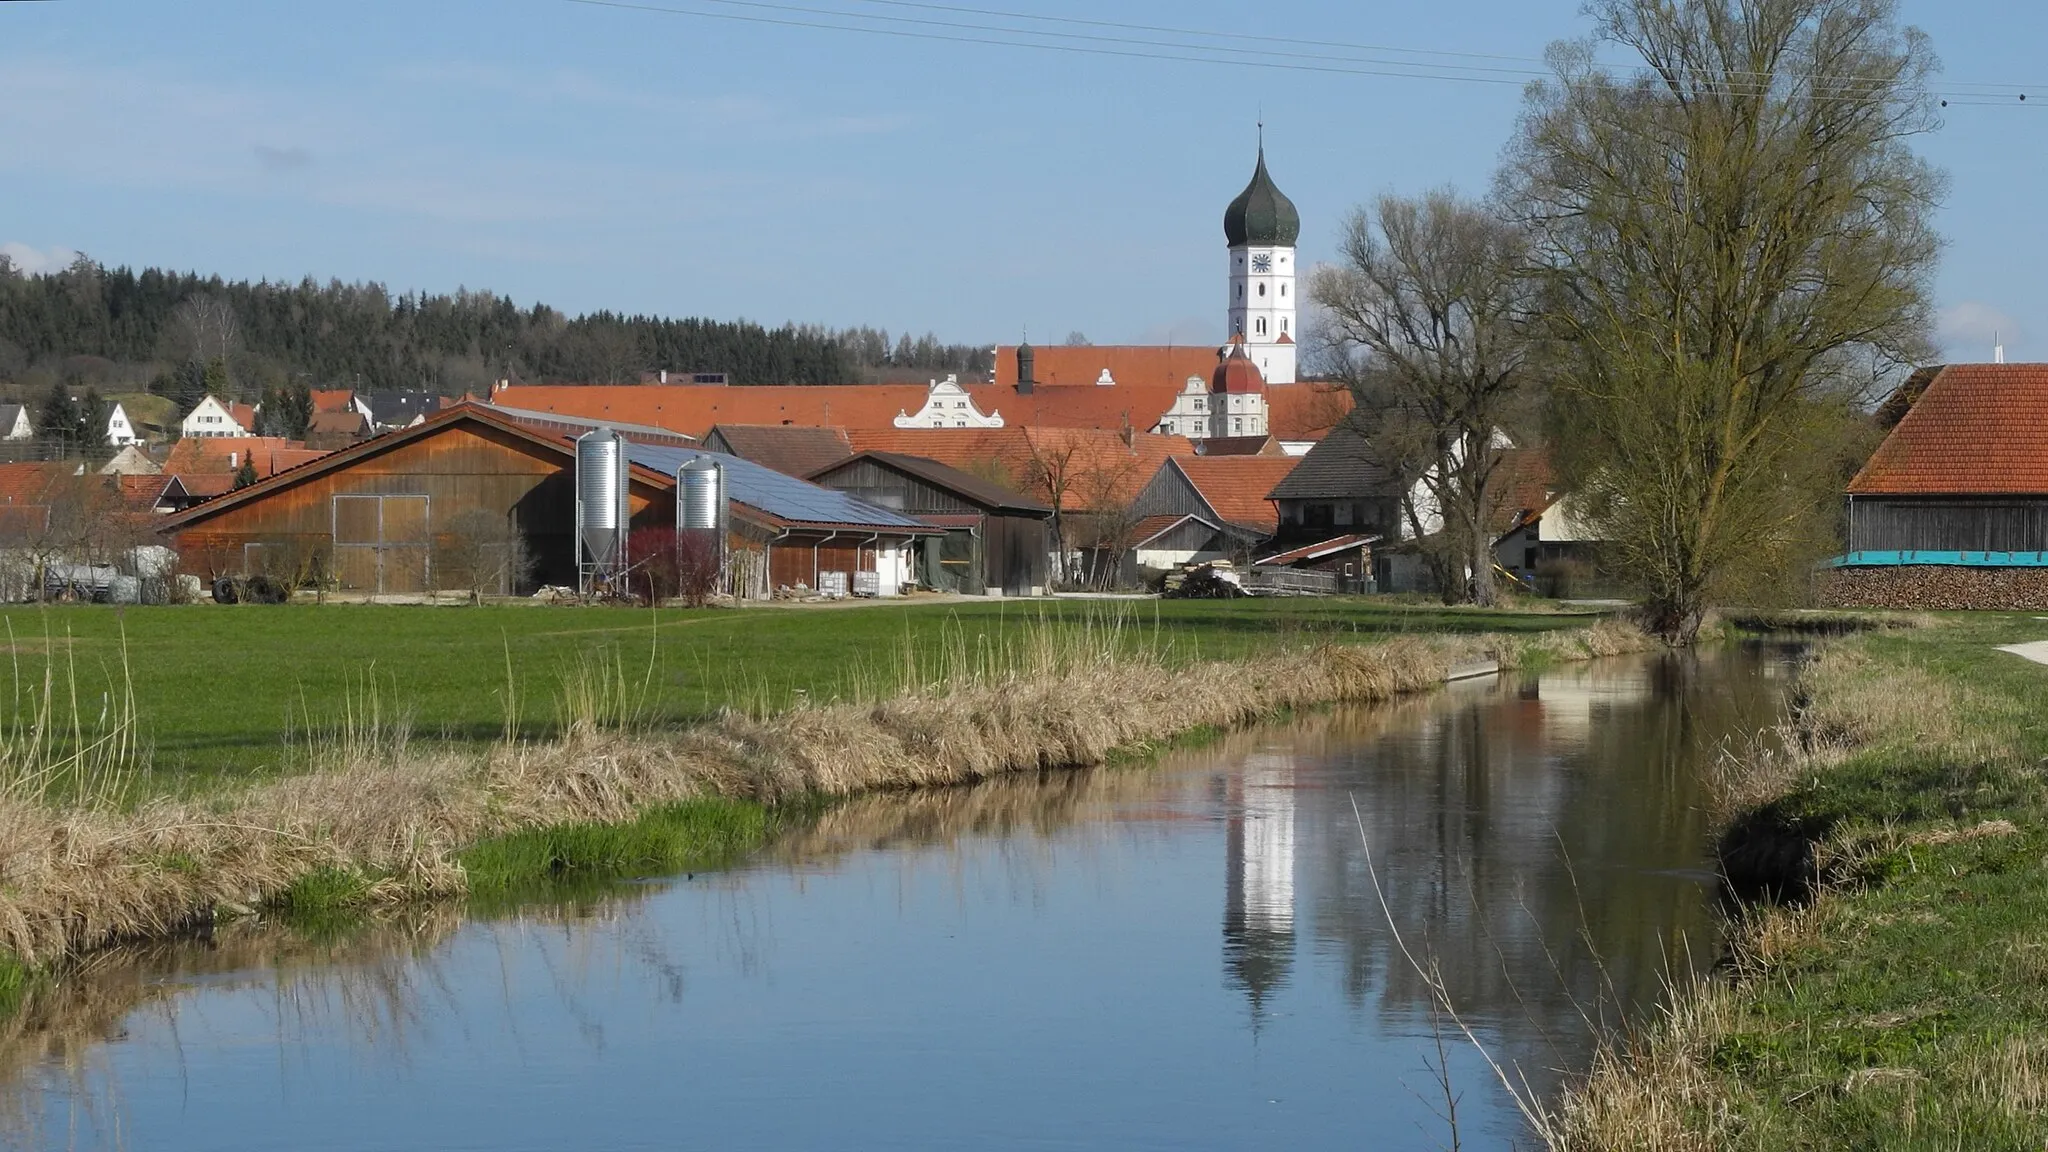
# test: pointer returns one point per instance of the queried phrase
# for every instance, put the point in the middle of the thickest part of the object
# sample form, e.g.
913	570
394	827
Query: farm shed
993	539
789	533
378	517
1951	511
372	516
1169	540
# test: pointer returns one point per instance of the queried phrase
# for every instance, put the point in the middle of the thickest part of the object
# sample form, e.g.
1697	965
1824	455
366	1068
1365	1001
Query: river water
1188	955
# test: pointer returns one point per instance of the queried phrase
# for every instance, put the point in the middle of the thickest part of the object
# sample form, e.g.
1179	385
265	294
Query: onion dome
1237	374
1261	214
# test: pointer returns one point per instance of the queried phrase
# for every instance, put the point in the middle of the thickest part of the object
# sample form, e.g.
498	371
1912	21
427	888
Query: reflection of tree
1545	845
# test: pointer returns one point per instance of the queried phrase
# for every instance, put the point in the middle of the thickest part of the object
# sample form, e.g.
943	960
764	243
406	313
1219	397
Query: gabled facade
948	405
212	418
120	430
15	424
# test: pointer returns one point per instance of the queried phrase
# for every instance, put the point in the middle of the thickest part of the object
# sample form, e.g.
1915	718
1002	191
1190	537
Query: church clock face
1263	262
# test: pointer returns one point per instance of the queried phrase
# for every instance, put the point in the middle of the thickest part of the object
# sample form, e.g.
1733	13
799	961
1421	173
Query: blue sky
599	157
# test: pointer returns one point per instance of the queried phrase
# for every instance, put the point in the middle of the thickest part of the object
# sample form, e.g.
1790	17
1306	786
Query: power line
958	32
2001	88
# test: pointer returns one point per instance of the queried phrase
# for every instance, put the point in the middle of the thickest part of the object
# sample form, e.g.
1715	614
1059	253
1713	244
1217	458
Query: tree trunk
1481	553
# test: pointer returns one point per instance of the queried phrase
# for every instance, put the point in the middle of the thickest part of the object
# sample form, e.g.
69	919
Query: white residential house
14	423
211	417
947	405
120	430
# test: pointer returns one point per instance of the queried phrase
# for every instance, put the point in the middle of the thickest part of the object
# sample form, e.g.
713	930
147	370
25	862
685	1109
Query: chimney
664	375
1997	348
234	461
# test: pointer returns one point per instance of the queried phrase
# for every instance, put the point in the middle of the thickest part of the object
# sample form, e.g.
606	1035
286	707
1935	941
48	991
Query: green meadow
243	691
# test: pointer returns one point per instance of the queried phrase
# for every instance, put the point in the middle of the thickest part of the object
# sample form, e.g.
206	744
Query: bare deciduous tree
1737	245
1424	318
482	553
204	329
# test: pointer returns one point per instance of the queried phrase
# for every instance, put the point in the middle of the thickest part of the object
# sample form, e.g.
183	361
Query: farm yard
225	693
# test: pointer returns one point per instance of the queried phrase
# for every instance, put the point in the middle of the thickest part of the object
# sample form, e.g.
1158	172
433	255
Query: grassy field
237	691
1905	1006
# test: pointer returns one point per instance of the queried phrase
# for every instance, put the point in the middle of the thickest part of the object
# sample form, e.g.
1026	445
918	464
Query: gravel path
2037	651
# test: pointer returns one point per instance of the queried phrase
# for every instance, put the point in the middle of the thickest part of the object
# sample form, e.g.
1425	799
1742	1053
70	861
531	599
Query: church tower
1262	227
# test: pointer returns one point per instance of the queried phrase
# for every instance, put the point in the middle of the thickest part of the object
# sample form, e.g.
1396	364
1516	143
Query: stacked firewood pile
1936	588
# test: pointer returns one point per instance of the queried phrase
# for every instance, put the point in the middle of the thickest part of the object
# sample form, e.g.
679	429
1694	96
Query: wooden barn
370	517
1951	511
994	540
380	517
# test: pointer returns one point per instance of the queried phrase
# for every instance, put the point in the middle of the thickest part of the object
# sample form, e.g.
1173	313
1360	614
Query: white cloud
1971	329
35	261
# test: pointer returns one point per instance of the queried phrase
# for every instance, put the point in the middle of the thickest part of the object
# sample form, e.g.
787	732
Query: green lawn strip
1888	1025
232	693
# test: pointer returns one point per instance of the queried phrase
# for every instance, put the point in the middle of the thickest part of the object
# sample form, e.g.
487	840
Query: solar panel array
783	497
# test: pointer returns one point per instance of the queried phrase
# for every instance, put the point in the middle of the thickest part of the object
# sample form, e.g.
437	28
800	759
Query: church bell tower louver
1262	227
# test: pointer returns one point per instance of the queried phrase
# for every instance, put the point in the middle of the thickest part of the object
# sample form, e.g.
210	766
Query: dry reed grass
73	879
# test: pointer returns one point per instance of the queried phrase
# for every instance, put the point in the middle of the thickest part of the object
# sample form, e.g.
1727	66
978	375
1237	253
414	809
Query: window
1198	403
1283	289
1262	325
1283	323
1343	515
1236	425
1262	289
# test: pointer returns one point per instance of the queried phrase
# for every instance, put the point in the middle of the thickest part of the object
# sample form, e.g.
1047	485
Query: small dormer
1105	380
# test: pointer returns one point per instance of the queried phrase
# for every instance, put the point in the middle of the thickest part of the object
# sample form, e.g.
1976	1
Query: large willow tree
1736	247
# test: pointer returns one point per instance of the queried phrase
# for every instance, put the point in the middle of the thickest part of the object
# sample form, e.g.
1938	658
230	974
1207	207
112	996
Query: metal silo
702	484
602	515
701	507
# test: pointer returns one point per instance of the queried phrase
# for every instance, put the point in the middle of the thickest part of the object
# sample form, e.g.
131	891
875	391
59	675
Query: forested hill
115	329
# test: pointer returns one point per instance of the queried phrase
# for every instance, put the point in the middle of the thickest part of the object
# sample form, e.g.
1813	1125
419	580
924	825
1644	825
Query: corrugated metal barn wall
1951	524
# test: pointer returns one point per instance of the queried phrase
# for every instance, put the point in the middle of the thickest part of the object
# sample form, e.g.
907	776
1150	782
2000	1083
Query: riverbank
377	822
226	695
1898	997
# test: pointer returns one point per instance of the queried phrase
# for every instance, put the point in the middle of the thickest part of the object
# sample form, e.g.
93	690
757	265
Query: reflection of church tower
1258	909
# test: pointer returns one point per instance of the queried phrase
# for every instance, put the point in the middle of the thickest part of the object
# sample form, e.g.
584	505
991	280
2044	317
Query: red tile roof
1305	411
198	455
30	482
243	414
1136	406
1099	469
333	400
695	409
1130	365
1978	430
1526	487
1236	486
140	494
1237	374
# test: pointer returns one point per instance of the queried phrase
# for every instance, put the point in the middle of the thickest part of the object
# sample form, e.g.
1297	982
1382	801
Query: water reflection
1029	962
